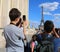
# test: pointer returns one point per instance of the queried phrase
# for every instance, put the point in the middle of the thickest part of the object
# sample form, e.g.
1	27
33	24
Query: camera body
24	17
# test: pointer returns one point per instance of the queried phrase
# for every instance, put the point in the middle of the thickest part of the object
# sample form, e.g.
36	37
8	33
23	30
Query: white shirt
14	36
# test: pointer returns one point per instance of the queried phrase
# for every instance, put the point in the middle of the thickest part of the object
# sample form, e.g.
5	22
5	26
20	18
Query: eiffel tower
41	26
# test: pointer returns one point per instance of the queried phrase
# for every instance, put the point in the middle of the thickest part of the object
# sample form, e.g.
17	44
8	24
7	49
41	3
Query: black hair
33	37
20	21
56	29
14	13
48	26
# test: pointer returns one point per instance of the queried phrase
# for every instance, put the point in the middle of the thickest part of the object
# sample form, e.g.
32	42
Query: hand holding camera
54	31
25	22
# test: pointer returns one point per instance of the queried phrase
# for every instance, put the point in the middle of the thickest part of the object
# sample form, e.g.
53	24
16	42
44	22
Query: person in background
57	42
48	36
13	34
34	44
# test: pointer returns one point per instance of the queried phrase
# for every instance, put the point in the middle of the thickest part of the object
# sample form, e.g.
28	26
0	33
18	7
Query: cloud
57	19
57	22
47	13
57	15
34	22
50	6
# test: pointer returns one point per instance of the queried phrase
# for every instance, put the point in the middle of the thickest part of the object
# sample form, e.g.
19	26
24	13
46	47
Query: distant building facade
6	5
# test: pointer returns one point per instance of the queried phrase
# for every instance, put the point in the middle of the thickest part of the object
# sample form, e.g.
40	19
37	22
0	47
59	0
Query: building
6	5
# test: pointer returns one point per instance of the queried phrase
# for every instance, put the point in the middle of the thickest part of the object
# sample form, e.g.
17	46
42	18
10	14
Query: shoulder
33	43
11	28
6	27
39	36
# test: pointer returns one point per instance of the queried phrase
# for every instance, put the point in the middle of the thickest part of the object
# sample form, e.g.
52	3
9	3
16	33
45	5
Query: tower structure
41	26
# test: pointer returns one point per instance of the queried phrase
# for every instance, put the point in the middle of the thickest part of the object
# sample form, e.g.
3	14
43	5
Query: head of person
48	26
34	37
14	15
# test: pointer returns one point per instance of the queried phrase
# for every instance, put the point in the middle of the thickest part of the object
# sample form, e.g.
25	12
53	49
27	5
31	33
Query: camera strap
12	23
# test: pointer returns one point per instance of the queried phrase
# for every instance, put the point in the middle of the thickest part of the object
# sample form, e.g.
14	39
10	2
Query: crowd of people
15	34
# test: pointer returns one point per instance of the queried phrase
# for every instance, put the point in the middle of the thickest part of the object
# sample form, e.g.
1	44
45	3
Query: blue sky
51	11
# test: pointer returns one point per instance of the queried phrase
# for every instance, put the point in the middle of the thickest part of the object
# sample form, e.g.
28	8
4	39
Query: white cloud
57	15
47	13
57	19
34	22
50	6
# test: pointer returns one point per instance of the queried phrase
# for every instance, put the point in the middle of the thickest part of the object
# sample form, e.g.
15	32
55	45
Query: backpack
46	47
46	44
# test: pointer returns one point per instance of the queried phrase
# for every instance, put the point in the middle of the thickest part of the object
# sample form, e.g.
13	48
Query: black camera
24	17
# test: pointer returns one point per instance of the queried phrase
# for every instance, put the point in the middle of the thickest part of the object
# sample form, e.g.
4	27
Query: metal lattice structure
41	26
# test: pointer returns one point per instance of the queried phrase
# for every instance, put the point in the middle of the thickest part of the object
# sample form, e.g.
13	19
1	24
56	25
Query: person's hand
55	33
25	23
54	30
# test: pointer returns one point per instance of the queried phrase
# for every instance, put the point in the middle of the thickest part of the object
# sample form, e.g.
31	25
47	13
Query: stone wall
6	5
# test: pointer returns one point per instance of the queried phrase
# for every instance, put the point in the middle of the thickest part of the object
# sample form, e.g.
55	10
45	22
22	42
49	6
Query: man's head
14	14
48	26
